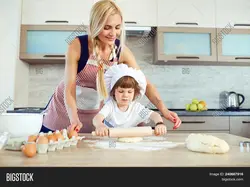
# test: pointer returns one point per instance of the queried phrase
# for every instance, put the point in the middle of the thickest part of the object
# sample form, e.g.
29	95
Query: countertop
82	155
180	112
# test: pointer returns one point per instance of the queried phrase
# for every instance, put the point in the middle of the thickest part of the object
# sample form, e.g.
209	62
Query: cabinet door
233	45
74	12
47	43
179	13
138	12
240	126
233	12
185	44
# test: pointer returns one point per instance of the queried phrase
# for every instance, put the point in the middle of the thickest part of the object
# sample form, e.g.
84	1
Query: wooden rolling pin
129	132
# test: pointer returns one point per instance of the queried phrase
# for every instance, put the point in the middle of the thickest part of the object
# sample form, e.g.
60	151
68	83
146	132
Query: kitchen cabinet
138	12
47	43
233	45
186	13
235	13
240	126
62	12
199	124
185	44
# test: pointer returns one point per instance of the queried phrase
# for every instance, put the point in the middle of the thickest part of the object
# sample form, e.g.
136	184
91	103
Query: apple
187	106
193	107
195	101
200	106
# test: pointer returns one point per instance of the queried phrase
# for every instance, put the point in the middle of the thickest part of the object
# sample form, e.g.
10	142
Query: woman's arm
72	57
128	58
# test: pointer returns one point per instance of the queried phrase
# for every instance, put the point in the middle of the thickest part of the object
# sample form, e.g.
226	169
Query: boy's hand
160	130
102	130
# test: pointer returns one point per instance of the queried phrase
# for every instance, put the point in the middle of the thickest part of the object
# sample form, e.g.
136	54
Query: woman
78	98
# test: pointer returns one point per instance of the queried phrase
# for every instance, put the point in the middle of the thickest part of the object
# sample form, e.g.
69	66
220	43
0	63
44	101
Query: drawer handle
185	23
245	121
242	58
187	57
193	121
56	21
242	25
54	56
130	22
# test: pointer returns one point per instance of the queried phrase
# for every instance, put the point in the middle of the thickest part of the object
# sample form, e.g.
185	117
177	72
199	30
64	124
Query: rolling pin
129	132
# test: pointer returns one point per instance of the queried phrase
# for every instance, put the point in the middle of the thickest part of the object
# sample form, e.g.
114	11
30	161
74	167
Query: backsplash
177	85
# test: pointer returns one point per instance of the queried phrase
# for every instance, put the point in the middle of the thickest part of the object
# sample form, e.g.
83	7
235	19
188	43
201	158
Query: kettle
231	100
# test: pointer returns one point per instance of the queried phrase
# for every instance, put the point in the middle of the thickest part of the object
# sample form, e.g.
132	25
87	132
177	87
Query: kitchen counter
82	155
211	112
180	112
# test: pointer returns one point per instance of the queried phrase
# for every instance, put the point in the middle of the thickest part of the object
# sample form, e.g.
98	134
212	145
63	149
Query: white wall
13	72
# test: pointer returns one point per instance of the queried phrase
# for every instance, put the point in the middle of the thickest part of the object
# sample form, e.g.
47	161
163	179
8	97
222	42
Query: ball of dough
206	144
130	139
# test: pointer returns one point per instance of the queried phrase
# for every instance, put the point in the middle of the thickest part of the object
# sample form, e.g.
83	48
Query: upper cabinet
186	13
138	12
185	44
39	12
235	13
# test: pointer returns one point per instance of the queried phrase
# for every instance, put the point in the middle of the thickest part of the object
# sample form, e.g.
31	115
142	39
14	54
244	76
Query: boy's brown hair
126	82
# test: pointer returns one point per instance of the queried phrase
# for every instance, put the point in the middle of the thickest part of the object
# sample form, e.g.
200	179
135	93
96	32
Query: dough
206	144
130	139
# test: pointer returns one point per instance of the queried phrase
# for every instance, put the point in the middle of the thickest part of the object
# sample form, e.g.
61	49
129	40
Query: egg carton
60	144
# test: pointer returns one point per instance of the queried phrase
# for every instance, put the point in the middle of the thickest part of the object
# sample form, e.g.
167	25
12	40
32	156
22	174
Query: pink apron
87	99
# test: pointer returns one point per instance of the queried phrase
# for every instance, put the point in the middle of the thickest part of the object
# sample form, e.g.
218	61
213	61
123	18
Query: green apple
193	107
187	106
200	106
195	101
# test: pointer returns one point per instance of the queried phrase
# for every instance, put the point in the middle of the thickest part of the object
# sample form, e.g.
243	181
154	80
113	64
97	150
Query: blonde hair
98	17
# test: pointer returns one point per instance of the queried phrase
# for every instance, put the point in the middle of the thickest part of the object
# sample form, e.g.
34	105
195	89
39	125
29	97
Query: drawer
200	123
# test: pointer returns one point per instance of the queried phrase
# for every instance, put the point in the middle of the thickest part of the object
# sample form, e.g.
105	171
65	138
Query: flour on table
146	144
206	144
130	139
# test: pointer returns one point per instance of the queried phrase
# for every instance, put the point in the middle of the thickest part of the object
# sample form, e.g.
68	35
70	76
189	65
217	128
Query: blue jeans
45	129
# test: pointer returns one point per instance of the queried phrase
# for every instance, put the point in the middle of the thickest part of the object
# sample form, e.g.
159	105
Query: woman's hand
160	130
173	117
75	125
101	130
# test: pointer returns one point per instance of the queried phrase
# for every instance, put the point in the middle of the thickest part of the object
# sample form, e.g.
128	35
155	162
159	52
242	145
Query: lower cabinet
199	124
240	126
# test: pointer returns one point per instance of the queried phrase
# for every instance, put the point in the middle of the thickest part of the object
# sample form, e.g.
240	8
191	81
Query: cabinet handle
53	55
187	57
185	23
130	22
242	58
56	21
245	121
193	122
242	25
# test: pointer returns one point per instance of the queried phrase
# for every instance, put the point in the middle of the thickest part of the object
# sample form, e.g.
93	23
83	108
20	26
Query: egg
72	133
32	138
42	139
58	135
29	149
51	137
